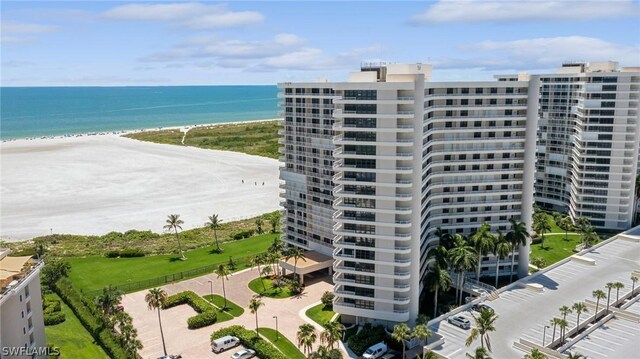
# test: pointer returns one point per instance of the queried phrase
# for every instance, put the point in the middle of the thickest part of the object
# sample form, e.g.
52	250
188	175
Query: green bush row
125	253
53	318
366	337
248	338
51	305
243	234
207	312
91	319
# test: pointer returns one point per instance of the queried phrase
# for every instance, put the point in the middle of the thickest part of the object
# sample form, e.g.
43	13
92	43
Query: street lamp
544	334
211	283
277	332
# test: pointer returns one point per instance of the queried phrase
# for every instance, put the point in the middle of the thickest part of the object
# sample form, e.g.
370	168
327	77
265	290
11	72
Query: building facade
588	142
407	156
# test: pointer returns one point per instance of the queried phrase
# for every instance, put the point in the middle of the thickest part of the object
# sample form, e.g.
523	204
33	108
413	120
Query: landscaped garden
231	308
320	314
556	248
267	287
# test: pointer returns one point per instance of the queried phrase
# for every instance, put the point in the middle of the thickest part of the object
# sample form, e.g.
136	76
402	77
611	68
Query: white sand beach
96	184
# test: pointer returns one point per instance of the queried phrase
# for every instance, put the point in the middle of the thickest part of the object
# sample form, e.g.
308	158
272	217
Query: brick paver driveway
195	343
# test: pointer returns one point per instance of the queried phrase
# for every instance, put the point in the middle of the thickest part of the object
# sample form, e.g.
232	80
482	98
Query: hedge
365	338
125	253
91	319
207	312
53	318
248	338
243	234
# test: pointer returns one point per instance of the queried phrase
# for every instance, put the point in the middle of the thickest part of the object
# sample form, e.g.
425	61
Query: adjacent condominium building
588	140
21	317
375	164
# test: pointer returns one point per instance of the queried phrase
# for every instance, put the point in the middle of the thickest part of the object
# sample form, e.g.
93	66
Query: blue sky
78	43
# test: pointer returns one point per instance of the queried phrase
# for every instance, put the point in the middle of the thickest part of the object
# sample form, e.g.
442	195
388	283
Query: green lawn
90	273
271	292
72	338
554	226
283	344
259	138
320	314
556	248
232	308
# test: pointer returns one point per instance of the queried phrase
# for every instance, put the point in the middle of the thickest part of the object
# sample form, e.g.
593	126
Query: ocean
53	111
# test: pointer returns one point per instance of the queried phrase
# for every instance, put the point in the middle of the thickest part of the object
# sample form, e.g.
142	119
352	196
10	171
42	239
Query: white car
459	321
243	354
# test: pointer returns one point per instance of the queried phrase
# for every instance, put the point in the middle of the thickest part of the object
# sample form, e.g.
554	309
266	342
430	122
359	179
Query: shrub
112	236
327	299
207	312
134	235
365	338
53	318
131	252
50	305
112	254
248	338
243	234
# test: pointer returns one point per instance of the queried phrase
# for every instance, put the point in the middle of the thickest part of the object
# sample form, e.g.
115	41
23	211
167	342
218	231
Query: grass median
283	291
232	308
320	314
282	343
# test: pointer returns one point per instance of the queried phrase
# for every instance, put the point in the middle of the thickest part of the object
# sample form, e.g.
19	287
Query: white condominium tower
588	142
374	165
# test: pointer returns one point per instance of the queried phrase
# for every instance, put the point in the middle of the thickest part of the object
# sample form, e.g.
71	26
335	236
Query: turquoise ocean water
53	111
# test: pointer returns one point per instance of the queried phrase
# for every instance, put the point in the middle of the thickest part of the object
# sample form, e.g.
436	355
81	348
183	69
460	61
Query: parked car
243	354
177	356
459	321
375	351
478	307
224	343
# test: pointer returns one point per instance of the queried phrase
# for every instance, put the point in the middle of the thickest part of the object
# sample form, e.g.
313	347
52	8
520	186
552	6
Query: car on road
375	351
481	306
224	343
459	321
243	354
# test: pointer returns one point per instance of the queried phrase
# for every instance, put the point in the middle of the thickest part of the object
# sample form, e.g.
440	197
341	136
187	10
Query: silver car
243	354
459	321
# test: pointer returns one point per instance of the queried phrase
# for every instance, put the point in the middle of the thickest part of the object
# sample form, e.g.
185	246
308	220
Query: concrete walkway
196	343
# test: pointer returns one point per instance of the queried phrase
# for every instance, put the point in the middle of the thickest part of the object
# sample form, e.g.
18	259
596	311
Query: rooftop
13	269
525	307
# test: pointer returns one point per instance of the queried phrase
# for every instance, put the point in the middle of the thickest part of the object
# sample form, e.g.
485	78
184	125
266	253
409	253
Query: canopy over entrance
313	261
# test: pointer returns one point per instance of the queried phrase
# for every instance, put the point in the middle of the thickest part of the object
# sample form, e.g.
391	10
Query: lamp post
544	334
211	283
277	332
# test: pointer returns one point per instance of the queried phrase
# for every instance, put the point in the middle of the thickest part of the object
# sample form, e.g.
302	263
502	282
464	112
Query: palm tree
582	223
222	273
259	224
579	308
306	336
535	354
421	332
566	223
501	249
541	226
429	355
40	248
517	237
618	286
444	238
480	353
563	324
108	300
435	280
463	259
440	256
564	310
155	300
214	224
274	220
576	356
609	287
554	322
128	339
597	294
485	323
422	319
254	304
275	252
174	222
295	253
332	333
257	261
589	236
401	332
634	279
482	241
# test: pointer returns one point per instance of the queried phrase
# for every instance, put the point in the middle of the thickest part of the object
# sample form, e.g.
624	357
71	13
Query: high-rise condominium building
588	141
21	317
374	165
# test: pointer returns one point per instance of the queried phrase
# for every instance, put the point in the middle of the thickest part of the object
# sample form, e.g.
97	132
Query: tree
435	280
566	223
576	356
325	353
332	333
483	241
444	239
155	300
429	355
421	332
327	299
501	249
108	300
579	308
254	304
609	287
53	271
597	295
618	286
582	223
129	339
259	224
422	319
274	220
589	236
214	224
257	261
564	310
306	336
541	226
401	332
563	324
463	259
275	253
485	323
222	273
535	354
517	237
554	322
538	262
295	253
174	223
480	353
634	280
40	247
440	256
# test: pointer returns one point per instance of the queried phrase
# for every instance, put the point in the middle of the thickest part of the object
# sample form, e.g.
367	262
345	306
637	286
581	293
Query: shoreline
121	133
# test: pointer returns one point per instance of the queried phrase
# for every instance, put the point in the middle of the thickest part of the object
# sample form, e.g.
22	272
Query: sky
116	43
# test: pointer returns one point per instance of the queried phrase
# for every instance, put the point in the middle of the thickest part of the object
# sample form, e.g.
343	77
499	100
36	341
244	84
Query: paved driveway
196	343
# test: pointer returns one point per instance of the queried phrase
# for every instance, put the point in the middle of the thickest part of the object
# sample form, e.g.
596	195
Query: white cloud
192	15
470	11
16	32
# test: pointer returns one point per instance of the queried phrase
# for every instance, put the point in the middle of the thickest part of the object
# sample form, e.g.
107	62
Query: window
479	90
